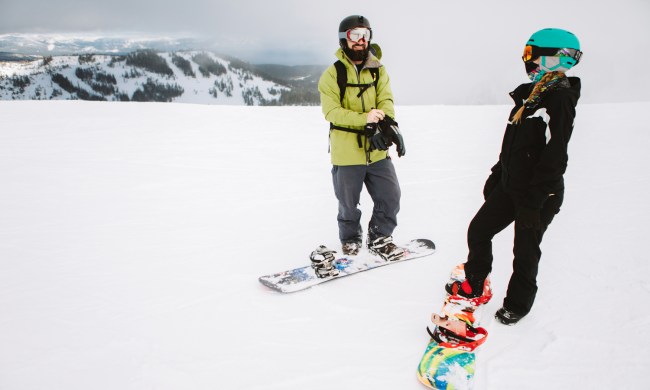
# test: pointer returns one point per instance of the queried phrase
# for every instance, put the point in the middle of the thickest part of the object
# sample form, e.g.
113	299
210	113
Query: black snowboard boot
507	317
469	288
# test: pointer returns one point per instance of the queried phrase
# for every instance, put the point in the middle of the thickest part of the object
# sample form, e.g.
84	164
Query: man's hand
375	116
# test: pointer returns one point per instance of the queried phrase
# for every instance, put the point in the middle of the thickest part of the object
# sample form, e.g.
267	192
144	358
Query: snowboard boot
322	261
468	288
383	247
473	290
507	317
351	248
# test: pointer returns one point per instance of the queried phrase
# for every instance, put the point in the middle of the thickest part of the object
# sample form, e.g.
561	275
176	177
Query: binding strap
445	338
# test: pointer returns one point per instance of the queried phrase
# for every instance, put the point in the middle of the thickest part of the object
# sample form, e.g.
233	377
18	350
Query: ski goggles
356	34
533	52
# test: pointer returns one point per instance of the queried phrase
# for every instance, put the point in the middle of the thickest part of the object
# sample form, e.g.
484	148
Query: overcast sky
436	52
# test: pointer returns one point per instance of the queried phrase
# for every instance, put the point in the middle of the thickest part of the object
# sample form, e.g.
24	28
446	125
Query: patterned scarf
549	82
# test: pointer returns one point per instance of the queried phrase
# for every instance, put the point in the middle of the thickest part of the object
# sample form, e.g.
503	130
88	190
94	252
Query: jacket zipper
363	108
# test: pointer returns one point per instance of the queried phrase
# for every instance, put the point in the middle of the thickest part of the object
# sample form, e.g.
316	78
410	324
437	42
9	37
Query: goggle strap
531	52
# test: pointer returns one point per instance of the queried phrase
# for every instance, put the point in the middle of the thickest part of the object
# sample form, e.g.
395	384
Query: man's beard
356	55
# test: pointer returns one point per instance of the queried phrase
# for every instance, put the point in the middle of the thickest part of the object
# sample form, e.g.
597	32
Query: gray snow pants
382	185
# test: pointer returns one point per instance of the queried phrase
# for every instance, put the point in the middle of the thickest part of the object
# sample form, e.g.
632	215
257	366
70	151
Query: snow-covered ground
132	236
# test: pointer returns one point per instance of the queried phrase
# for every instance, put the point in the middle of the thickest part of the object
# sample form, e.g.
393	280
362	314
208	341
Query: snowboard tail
446	368
305	277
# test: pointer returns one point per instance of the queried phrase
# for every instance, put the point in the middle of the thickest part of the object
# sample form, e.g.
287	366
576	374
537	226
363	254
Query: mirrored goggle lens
528	54
356	34
573	53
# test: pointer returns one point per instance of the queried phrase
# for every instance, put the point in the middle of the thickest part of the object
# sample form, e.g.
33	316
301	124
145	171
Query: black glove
528	218
376	138
490	184
391	132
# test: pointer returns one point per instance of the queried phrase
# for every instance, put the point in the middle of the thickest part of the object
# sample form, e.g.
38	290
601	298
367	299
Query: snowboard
305	277
449	358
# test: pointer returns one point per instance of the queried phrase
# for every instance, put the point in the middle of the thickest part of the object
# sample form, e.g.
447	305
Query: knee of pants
477	233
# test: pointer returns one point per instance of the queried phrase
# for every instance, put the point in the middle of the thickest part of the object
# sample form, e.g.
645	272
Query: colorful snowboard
304	277
449	359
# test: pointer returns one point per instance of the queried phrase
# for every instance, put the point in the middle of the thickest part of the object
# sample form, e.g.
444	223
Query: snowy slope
132	236
234	86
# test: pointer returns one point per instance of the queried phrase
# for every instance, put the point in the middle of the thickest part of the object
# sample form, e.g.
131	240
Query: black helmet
350	22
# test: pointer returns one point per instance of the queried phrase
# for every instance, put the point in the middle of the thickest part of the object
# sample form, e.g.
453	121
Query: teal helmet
554	38
558	49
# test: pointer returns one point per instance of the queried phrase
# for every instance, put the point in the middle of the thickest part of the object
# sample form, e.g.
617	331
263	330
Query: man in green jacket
358	145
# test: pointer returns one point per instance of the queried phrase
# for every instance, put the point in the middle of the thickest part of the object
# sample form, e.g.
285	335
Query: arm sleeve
385	94
554	158
331	103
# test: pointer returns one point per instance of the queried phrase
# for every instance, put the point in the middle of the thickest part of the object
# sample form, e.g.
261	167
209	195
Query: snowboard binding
457	279
322	261
452	332
456	326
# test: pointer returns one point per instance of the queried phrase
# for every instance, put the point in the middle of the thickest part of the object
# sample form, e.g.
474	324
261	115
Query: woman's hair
541	86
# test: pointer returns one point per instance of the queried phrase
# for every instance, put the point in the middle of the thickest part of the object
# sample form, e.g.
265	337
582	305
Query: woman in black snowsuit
527	185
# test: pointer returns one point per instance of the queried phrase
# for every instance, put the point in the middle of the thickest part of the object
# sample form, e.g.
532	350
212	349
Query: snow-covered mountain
120	67
148	75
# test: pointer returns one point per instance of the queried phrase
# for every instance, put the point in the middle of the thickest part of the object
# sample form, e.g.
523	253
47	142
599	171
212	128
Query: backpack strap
342	81
341	78
358	132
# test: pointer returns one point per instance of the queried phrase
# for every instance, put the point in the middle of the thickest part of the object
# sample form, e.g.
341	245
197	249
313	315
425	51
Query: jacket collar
371	61
521	93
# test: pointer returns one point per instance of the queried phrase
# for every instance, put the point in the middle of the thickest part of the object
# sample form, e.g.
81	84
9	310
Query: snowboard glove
528	218
391	132
375	137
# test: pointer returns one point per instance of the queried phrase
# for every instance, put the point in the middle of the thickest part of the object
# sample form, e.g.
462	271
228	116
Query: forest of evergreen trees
92	82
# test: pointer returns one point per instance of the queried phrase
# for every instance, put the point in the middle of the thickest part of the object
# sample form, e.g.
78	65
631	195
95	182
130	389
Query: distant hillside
302	79
148	75
6	56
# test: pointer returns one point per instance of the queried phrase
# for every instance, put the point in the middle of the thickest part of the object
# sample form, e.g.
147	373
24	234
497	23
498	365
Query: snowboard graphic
305	277
449	359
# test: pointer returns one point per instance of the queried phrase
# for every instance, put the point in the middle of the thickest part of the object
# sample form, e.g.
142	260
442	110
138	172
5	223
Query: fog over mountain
70	44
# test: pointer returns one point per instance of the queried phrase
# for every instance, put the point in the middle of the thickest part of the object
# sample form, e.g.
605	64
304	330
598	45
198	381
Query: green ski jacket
351	112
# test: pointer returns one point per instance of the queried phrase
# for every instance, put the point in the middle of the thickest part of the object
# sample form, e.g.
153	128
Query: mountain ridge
193	76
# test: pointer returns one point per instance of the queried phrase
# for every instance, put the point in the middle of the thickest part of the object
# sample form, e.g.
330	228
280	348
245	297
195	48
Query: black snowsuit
529	174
